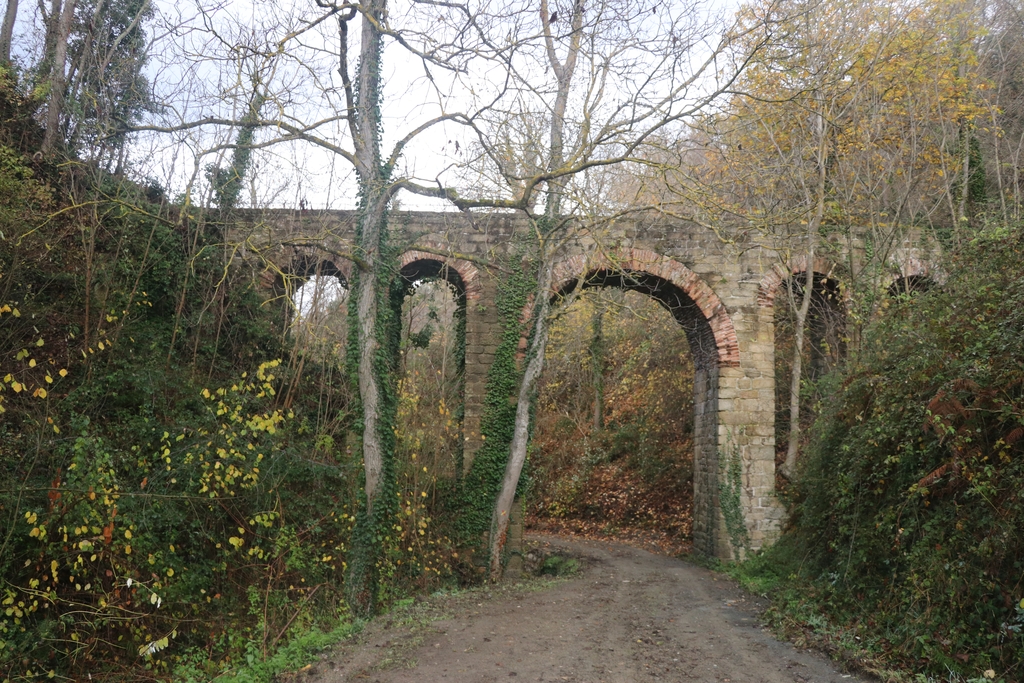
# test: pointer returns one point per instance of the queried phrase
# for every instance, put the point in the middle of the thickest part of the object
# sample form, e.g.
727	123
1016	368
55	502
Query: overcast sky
290	174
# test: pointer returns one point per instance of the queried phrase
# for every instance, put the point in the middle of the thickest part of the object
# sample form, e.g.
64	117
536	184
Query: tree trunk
366	140
374	361
55	104
597	363
521	434
7	32
811	236
800	325
546	226
367	315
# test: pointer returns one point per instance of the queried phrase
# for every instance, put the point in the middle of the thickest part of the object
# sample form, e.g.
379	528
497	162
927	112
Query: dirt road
627	616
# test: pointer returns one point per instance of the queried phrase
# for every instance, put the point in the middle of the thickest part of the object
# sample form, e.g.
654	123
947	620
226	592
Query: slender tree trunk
370	242
597	363
375	325
965	173
545	227
55	104
7	32
521	434
800	326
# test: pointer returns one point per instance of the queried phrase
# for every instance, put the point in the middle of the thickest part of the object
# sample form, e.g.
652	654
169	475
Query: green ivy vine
730	489
483	482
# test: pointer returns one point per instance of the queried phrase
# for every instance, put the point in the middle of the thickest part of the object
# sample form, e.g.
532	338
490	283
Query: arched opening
910	284
697	312
824	347
431	372
612	449
314	292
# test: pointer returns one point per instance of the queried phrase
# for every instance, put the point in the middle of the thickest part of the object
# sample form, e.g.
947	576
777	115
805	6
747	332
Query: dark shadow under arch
910	284
703	345
309	265
423	269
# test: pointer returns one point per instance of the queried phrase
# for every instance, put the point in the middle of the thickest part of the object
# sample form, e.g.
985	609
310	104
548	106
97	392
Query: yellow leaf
128	534
31	362
63	372
49	380
17	386
40	392
40	342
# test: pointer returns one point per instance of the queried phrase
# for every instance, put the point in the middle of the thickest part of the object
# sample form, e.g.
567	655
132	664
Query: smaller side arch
312	263
770	283
471	283
574	271
911	274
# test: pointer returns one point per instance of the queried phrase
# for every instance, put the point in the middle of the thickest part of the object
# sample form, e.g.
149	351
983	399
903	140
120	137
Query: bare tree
7	31
294	82
593	86
837	140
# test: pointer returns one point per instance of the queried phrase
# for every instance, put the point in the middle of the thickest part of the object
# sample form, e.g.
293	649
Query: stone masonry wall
722	288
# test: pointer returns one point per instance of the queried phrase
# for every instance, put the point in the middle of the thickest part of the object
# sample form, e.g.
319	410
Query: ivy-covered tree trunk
546	229
372	351
521	435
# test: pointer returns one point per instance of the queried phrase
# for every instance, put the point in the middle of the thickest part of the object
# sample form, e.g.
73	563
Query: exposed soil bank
627	616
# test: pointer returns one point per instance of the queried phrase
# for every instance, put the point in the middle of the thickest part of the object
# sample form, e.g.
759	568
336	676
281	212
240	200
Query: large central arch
713	347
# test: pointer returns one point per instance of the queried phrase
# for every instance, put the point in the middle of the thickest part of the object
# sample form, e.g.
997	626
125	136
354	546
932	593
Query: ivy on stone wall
730	492
482	483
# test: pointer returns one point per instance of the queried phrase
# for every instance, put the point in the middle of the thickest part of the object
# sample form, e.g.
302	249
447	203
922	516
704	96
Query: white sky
196	73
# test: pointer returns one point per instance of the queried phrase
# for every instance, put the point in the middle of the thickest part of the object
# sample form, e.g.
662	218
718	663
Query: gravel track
627	616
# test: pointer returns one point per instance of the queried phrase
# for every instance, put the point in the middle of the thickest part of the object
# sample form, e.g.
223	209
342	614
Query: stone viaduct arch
713	347
722	292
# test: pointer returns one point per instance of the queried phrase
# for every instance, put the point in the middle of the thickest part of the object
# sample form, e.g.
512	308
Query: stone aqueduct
721	293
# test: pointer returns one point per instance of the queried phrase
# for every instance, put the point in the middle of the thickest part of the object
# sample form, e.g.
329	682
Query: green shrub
910	498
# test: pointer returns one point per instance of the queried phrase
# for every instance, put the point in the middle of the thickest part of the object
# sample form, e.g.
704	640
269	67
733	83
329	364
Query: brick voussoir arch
574	269
770	283
469	273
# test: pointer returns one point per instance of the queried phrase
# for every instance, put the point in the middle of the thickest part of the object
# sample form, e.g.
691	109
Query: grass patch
556	565
300	651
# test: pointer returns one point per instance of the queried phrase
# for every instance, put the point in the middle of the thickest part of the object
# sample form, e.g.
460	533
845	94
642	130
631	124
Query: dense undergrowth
177	491
905	548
